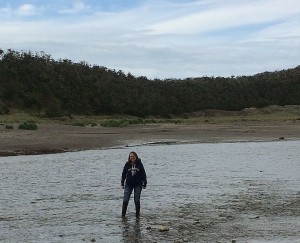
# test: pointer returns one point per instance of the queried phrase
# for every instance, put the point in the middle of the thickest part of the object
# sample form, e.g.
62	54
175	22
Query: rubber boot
137	209
124	209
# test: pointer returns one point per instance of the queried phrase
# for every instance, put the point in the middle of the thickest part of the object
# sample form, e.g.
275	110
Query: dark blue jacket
134	174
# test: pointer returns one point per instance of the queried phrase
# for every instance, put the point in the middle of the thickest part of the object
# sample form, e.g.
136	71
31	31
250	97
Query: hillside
37	83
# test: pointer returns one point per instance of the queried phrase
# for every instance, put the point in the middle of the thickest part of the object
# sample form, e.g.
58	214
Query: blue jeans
137	193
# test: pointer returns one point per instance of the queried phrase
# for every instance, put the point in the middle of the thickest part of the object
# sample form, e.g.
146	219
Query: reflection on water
76	197
131	231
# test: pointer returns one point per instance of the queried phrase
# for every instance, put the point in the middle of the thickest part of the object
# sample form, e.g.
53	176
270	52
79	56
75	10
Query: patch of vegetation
126	122
4	110
265	114
136	121
28	126
78	124
53	112
7	126
115	123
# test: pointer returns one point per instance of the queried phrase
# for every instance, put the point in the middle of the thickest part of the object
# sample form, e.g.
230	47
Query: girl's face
132	157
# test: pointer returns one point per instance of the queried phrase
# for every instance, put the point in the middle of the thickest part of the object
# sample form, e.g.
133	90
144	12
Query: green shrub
115	123
4	110
79	124
136	121
51	113
28	126
9	127
150	121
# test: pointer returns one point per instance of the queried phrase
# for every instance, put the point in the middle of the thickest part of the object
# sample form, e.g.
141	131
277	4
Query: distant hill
36	82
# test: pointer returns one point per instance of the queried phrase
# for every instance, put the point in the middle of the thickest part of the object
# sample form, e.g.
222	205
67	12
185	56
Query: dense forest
36	82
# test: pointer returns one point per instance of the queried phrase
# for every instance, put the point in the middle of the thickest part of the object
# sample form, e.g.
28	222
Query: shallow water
201	192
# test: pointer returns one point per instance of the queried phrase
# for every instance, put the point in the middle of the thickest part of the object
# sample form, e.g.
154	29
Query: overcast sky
159	38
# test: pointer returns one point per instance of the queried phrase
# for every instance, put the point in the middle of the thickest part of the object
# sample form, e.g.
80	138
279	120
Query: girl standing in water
135	178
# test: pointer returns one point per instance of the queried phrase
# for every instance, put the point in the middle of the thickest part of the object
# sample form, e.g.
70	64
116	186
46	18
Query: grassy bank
266	114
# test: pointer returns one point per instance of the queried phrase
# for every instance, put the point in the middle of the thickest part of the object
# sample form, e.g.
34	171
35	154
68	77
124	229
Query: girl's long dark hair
135	154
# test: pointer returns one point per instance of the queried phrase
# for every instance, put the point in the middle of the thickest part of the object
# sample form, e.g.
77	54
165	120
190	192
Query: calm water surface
76	197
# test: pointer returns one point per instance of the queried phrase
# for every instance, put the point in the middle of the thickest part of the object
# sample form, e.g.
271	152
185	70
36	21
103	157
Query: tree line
37	82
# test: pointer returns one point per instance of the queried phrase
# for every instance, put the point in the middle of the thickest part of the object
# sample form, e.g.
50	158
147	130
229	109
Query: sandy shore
55	138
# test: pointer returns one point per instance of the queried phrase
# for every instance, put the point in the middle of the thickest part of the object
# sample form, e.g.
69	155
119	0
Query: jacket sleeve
144	176
123	177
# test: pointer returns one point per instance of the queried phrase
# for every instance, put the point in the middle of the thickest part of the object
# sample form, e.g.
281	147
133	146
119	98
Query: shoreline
52	138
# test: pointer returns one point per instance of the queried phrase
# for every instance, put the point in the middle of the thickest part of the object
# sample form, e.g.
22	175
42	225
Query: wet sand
55	138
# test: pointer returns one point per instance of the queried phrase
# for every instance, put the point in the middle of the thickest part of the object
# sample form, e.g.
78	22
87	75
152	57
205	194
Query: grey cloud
145	41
